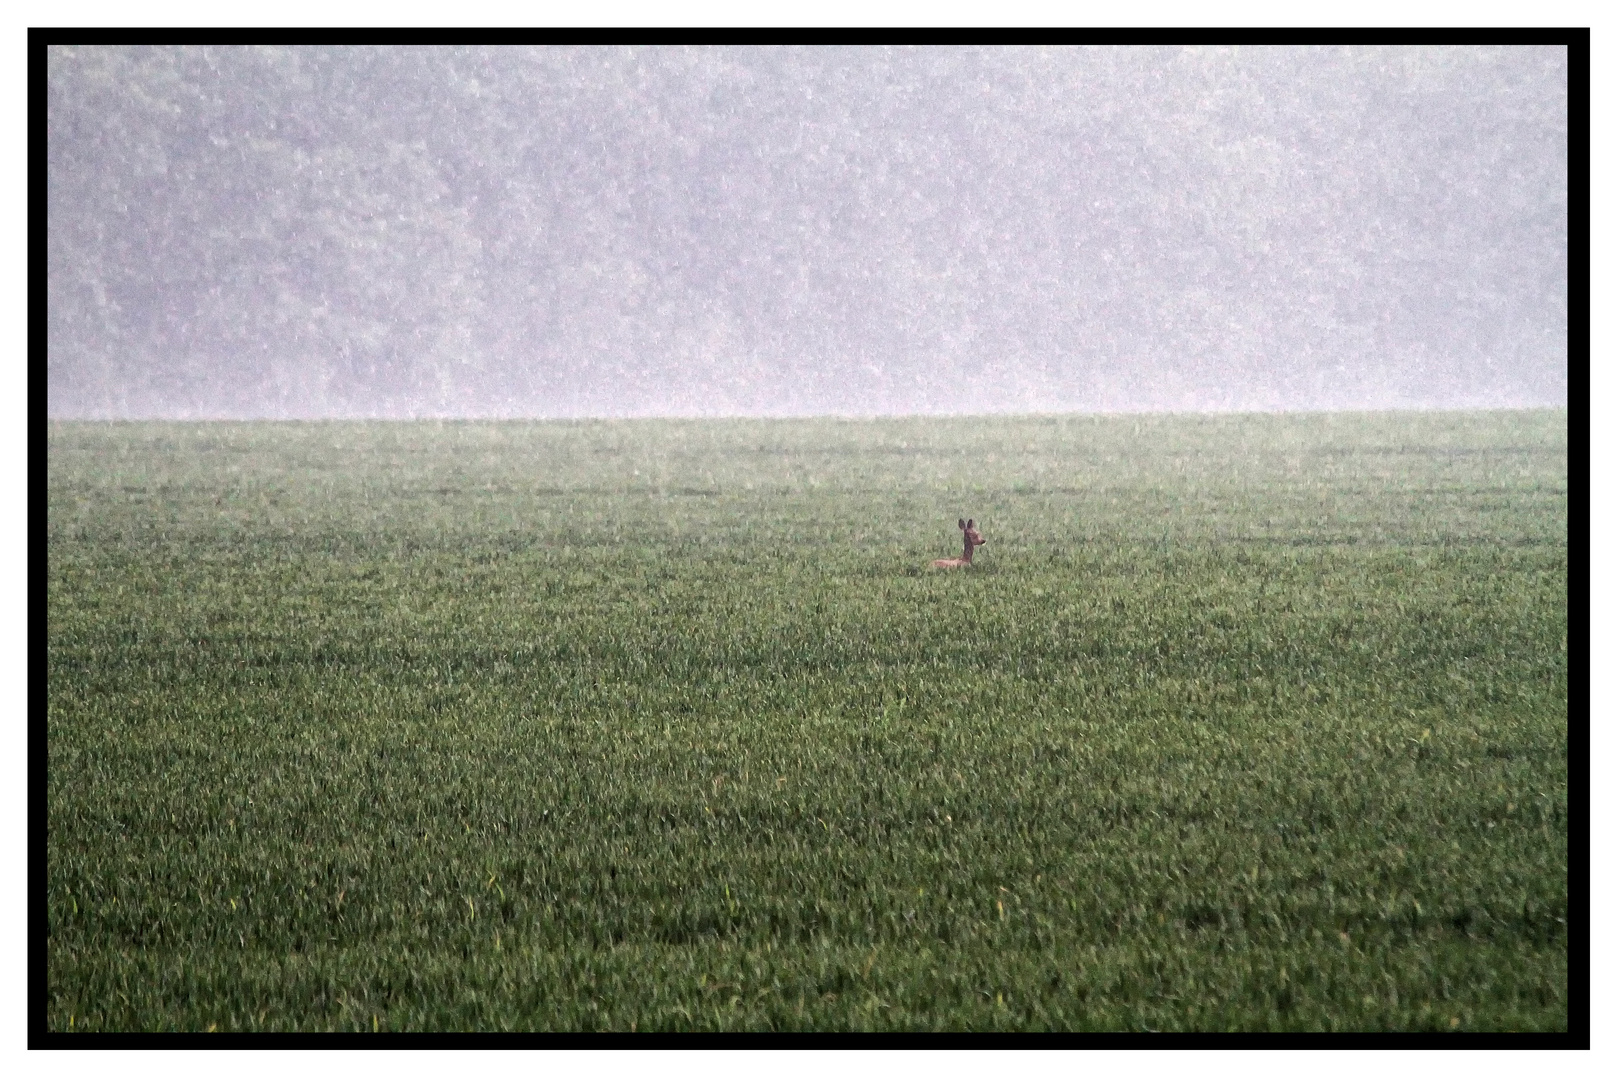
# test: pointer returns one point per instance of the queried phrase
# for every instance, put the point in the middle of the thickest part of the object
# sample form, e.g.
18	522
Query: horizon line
525	418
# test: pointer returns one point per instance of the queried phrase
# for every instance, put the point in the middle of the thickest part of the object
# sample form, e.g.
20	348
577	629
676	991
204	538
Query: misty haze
303	232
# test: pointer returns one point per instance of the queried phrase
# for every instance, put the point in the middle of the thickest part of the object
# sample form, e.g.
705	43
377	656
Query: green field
1238	722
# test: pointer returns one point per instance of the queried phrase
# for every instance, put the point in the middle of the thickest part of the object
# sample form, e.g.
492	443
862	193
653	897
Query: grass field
1237	722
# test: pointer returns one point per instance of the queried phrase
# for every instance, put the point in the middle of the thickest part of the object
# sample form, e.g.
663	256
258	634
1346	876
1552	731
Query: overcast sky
339	232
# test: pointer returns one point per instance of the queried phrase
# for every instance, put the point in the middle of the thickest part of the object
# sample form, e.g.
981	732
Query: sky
309	232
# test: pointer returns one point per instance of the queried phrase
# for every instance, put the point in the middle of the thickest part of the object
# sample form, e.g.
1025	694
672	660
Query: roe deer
970	540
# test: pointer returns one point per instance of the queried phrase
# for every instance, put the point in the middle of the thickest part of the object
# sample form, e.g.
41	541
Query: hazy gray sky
419	231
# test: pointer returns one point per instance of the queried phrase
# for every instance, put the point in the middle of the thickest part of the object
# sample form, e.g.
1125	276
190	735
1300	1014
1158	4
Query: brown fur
970	540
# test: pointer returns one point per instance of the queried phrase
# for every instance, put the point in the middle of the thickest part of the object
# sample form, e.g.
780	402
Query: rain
395	232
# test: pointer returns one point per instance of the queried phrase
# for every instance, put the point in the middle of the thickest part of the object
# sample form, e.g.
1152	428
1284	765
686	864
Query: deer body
970	540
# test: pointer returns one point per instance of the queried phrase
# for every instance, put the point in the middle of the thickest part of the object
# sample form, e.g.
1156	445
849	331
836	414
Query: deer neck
967	549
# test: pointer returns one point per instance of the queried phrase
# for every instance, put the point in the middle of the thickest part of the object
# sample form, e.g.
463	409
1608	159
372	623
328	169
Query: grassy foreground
1238	722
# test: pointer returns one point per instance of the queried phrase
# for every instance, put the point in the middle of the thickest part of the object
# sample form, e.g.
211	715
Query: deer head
970	537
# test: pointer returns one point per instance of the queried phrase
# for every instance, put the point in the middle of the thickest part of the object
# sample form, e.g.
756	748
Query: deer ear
960	524
970	523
